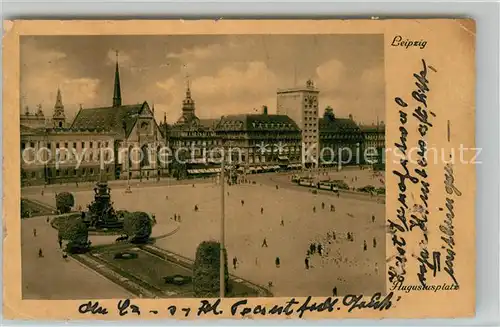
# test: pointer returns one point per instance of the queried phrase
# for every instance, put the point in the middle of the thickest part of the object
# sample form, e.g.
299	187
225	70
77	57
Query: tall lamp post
124	125
222	226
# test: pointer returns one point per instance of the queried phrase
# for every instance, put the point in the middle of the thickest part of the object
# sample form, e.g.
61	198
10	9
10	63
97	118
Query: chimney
264	110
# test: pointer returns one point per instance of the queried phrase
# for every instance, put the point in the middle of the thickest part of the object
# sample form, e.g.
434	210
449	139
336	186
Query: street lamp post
222	227
124	125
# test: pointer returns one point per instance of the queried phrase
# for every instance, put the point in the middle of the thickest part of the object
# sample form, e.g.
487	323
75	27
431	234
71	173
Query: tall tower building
59	118
301	104
117	93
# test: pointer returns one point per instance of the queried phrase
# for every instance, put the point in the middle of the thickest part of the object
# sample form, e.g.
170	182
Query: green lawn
152	269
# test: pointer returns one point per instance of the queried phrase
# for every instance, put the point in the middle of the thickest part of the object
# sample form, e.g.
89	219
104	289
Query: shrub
64	202
206	270
137	226
76	232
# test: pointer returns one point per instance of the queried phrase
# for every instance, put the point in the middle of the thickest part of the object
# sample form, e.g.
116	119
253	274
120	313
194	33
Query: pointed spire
117	94
59	99
188	88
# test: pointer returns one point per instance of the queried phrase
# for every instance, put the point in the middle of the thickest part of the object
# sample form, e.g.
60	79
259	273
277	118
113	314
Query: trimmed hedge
76	232
137	226
206	270
64	202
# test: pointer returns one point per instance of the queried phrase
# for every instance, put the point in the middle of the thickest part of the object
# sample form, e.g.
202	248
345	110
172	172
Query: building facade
59	155
261	142
193	142
120	142
302	105
374	142
340	139
138	138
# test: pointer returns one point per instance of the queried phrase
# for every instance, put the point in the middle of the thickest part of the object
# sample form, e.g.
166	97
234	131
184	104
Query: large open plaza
263	222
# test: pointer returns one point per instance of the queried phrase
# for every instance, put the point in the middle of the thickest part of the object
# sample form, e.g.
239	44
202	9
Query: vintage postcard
313	169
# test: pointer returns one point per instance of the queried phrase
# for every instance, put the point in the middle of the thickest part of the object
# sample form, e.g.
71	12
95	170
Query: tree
76	232
137	226
206	270
64	202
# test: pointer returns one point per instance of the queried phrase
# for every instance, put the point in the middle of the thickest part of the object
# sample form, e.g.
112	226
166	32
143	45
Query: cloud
331	75
45	70
233	89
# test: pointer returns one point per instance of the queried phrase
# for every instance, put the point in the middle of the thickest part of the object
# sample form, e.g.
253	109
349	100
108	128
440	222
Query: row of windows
66	145
65	172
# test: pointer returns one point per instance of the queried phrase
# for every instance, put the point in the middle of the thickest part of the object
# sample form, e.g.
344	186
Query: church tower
117	93
188	106
59	118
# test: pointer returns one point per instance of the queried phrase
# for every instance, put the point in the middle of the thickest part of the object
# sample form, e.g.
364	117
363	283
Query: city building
33	120
261	142
126	138
374	142
61	155
301	104
339	138
138	138
192	141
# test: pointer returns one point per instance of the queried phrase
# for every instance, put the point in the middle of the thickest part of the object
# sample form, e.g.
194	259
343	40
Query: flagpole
222	228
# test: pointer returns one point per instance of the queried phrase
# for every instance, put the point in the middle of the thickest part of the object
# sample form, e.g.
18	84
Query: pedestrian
235	262
277	262
333	236
34	232
175	217
312	247
261	210
334	291
277	187
42	192
322	205
166	197
227	193
282	222
193	185
196	207
374	242
48	219
59	240
338	195
40	253
320	249
242	202
364	246
306	261
373	218
264	243
314	209
270	284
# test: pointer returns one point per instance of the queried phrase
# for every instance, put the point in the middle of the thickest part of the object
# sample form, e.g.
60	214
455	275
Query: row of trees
137	226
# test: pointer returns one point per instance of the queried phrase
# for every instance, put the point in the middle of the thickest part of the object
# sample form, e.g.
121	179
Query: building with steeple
33	119
58	117
135	129
191	132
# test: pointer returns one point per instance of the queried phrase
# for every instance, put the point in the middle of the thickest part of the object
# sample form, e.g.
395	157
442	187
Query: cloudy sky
228	74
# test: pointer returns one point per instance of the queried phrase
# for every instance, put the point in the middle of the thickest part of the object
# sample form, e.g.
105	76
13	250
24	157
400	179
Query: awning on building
196	161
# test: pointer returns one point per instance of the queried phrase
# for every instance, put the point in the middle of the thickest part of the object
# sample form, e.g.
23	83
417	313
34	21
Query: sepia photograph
153	165
171	169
